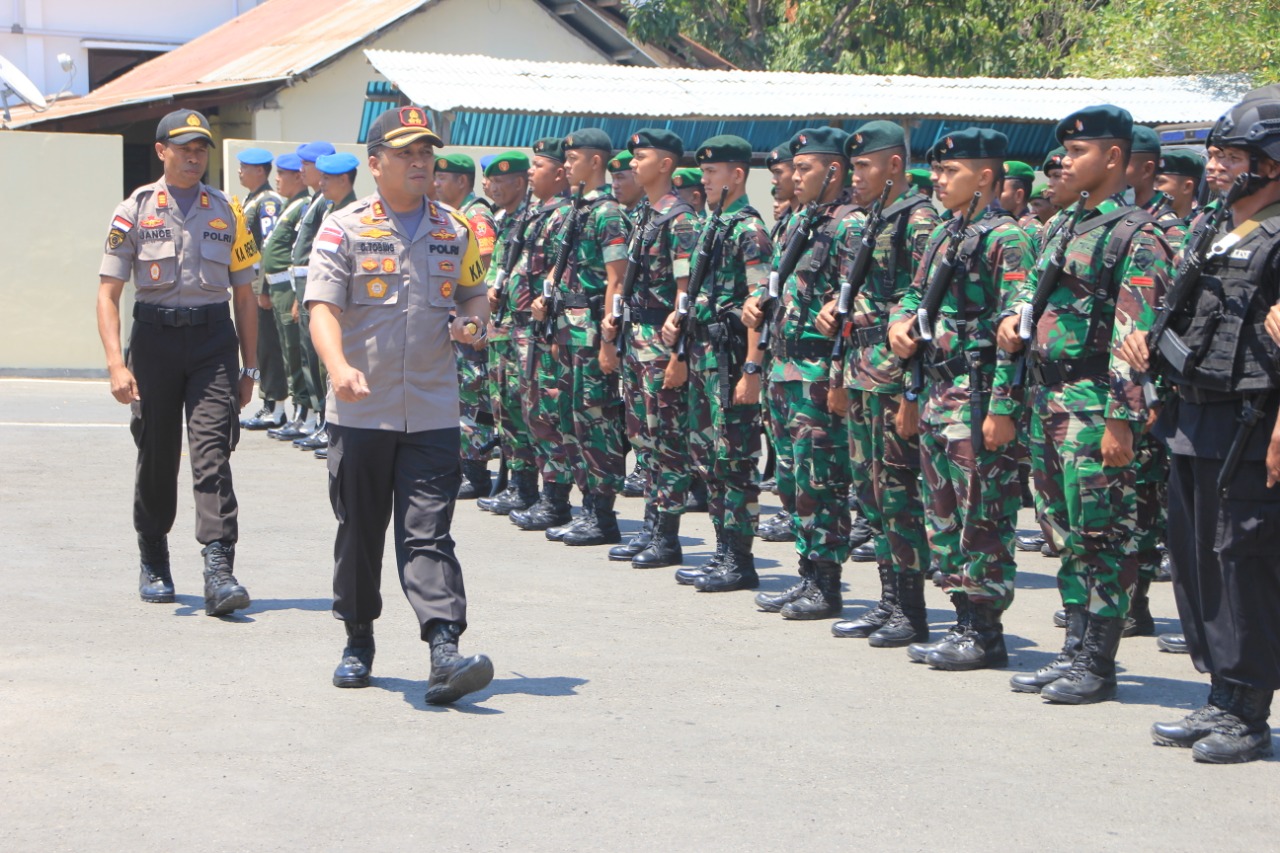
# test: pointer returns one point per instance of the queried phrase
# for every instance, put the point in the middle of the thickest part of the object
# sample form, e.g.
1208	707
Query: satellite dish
14	81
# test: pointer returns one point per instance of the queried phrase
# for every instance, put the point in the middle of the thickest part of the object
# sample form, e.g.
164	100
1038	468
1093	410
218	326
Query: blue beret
290	162
485	161
312	151
255	157
336	164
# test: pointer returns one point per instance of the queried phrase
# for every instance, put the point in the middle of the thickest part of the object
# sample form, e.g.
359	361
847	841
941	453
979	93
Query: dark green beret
875	136
921	179
551	147
687	178
819	140
1145	140
724	149
621	162
1053	160
656	137
1105	121
507	163
1182	161
1019	171
781	154
974	143
1039	190
589	137
456	164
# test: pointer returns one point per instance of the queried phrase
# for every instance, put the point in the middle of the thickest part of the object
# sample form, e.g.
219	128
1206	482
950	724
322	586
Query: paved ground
627	713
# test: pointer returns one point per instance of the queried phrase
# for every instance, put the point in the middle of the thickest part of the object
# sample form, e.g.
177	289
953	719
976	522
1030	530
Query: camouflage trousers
1152	463
507	358
775	414
1090	509
971	500
657	417
886	479
725	447
600	445
546	401
476	415
815	443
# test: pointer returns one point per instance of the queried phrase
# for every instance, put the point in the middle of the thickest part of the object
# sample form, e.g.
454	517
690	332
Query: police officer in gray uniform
384	276
191	258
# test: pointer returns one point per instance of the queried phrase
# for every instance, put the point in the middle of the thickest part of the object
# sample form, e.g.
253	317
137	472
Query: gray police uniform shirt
396	292
176	260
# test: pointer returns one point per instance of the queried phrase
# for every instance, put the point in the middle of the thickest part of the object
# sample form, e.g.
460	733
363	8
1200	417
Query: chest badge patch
443	234
369	265
377	288
152	222
375	233
218	224
155	272
446	289
446	266
388	264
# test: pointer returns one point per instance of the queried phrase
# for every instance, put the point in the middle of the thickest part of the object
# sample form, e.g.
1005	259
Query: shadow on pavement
413	691
193	605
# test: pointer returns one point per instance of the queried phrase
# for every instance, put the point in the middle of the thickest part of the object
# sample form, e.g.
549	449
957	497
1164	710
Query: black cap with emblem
182	126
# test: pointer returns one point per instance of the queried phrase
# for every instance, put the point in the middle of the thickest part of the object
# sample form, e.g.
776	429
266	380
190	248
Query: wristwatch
751	368
251	372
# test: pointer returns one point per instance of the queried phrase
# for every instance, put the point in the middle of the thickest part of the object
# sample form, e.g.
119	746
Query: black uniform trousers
193	368
376	476
1225	556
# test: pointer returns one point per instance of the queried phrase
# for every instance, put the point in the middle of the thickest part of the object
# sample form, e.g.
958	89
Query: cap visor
184	138
409	137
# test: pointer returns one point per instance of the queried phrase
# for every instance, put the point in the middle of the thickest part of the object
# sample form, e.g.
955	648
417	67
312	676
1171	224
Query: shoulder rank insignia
162	199
204	200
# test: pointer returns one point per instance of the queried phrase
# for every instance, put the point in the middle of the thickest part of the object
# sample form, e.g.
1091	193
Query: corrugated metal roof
483	83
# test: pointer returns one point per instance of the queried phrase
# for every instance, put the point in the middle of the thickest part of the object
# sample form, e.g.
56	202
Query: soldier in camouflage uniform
968	419
1178	178
1092	413
455	178
1016	198
886	465
688	184
658	409
631	196
725	364
814	440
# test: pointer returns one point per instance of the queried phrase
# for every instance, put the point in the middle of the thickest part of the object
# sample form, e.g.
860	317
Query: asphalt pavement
627	713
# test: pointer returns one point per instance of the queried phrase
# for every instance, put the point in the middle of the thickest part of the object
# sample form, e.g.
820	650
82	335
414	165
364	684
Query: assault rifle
851	286
686	305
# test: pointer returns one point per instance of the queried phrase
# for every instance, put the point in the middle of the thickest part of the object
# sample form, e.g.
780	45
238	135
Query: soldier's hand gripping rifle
686	305
621	308
512	249
1046	284
799	240
852	285
937	289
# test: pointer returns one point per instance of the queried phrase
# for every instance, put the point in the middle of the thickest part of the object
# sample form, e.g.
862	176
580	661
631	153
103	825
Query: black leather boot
634	485
1242	733
875	618
1092	677
910	620
738	571
696	500
1173	643
778	528
773	602
155	581
521	494
1033	682
638	542
576	520
1060	618
552	509
919	652
1140	622
1200	722
453	676
475	480
664	550
862	544
222	592
980	647
688	575
598	528
1033	541
357	657
822	599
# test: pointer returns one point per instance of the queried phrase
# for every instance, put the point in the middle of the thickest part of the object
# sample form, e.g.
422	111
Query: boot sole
735	588
228	605
471	680
616	558
163	598
636	565
1239	758
1161	740
949	666
887	643
1072	699
350	681
606	540
808	617
684	581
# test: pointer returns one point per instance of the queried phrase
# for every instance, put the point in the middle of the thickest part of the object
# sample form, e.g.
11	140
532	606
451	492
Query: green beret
1183	162
724	149
457	164
551	147
1019	171
685	179
974	143
875	136
921	179
656	137
1145	140
1053	160
781	154
819	140
621	162
1039	190
589	137
507	163
1105	121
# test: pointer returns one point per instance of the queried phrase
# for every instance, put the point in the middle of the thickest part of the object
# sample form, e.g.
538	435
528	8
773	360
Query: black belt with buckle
1052	373
201	315
801	350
